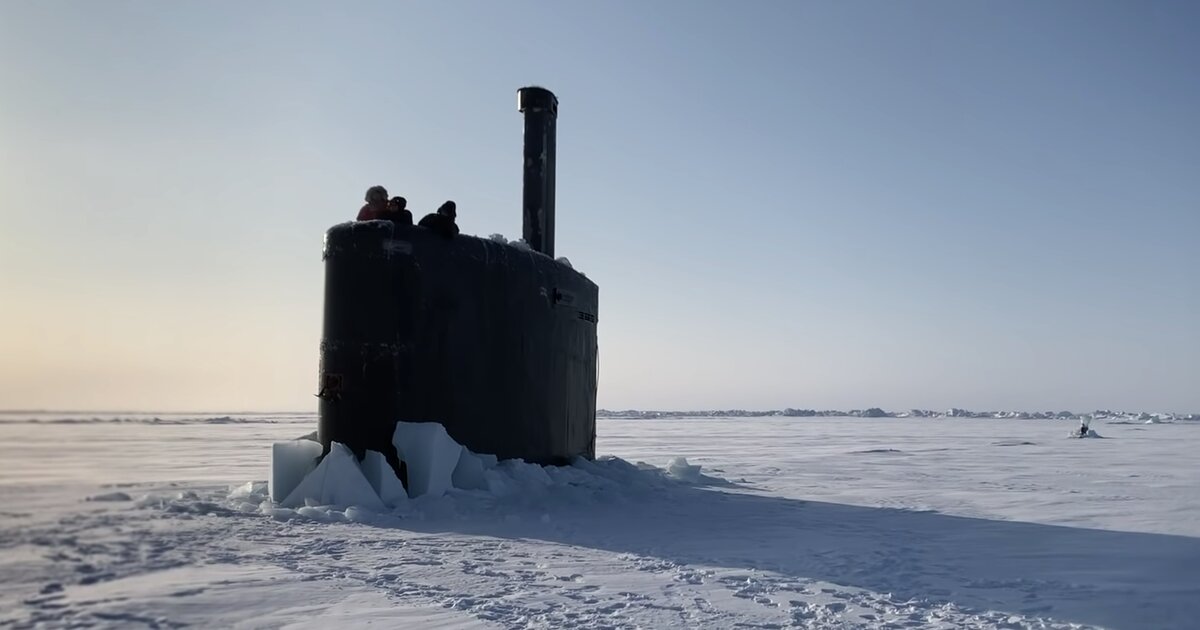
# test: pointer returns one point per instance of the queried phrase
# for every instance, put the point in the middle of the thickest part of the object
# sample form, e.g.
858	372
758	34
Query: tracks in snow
114	566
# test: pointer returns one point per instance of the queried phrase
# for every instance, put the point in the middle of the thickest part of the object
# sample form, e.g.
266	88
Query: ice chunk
680	469
110	496
337	480
383	479
290	462
431	455
525	474
248	490
468	474
499	484
515	477
488	460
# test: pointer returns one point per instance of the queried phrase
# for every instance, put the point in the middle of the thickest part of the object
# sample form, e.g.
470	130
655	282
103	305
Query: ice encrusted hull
420	328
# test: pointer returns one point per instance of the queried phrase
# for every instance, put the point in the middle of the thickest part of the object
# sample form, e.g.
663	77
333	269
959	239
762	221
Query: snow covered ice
806	523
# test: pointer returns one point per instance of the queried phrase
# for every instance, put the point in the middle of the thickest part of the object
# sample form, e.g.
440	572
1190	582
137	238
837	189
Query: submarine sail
495	342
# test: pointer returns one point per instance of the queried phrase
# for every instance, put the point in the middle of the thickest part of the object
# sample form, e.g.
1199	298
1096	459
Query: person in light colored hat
376	206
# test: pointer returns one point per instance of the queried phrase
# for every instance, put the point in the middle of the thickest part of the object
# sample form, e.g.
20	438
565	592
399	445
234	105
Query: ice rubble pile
436	466
434	462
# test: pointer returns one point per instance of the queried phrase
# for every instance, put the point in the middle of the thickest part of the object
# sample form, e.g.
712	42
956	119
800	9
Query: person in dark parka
397	212
442	221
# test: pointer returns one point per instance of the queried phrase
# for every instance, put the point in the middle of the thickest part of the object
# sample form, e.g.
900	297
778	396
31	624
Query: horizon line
598	411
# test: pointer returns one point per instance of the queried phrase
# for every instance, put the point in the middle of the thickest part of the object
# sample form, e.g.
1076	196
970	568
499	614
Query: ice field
144	521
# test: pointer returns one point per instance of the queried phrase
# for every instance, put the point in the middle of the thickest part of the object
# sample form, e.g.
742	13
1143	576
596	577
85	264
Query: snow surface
811	523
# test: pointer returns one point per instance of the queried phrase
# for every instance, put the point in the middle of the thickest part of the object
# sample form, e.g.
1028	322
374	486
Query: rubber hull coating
495	342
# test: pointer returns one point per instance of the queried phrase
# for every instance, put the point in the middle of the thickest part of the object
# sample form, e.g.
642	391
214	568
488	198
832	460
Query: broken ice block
290	462
468	474
383	479
337	480
430	454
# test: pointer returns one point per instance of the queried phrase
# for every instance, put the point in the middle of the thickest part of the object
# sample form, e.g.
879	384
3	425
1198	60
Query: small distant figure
376	206
397	211
1083	428
442	221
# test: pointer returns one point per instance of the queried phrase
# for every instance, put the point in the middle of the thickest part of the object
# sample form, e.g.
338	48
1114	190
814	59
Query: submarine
495	341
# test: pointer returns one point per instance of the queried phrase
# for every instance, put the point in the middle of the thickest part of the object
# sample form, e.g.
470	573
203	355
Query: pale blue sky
813	204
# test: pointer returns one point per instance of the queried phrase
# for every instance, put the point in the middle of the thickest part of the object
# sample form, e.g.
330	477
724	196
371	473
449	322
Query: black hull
496	343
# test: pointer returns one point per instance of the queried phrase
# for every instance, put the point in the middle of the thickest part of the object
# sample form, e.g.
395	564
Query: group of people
380	208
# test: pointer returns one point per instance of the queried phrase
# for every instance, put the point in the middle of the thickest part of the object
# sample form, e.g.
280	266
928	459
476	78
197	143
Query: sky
927	204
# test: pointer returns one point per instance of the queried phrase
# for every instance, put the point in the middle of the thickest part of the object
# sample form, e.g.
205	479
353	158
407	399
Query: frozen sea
144	520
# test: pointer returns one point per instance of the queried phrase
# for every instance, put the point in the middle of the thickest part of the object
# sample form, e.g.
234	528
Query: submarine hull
495	342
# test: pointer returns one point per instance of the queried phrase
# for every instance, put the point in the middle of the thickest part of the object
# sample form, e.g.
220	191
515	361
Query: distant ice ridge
1112	417
436	466
169	420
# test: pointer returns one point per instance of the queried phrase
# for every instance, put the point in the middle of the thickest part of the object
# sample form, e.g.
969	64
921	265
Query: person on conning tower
397	212
376	206
442	221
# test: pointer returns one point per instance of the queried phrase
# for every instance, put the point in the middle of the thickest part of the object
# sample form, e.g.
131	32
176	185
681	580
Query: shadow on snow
1108	578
